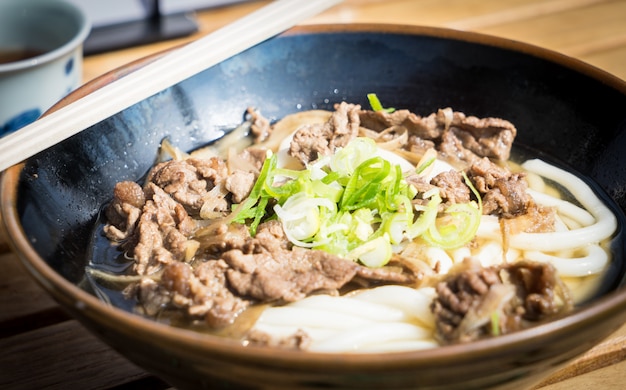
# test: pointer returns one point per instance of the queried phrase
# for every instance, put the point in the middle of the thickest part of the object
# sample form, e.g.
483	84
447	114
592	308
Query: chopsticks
166	71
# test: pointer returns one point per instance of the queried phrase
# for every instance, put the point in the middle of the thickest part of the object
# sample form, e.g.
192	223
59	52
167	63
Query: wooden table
41	347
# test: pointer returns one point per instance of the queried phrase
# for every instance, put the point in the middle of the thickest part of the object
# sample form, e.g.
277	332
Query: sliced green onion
455	228
258	214
355	204
345	160
396	226
426	219
365	184
458	225
301	217
362	220
422	167
469	183
376	104
374	254
495	324
254	206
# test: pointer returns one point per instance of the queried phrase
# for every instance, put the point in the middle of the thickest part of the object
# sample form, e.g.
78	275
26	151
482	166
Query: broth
14	55
110	259
107	259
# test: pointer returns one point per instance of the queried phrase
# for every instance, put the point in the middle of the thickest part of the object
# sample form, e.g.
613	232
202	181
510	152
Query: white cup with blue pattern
40	57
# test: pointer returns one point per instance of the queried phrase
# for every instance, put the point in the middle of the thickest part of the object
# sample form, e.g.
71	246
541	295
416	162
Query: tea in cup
40	57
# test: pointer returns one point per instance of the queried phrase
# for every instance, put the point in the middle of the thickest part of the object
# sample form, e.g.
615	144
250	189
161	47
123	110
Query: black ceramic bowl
564	110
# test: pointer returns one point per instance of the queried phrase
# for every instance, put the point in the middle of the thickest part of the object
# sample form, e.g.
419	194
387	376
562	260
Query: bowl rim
83	304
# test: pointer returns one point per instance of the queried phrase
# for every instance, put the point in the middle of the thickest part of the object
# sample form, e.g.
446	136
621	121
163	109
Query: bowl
564	110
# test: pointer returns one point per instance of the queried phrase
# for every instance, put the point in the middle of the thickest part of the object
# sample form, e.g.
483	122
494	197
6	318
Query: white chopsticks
168	70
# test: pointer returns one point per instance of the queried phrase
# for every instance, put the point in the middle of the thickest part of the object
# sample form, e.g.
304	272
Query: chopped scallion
355	204
377	105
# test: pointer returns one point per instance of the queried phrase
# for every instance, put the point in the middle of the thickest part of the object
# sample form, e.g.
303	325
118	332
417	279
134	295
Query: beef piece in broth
475	302
124	211
452	187
250	270
468	139
313	141
503	192
189	181
426	128
486	137
201	291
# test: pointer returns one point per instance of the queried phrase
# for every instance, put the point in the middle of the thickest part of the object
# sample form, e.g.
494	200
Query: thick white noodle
378	333
594	262
281	332
440	258
394	318
364	321
369	310
414	302
575	228
490	254
460	254
564	207
310	317
489	227
604	226
563	223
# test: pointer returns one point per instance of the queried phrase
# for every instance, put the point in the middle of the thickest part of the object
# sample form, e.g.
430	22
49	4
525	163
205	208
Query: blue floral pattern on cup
20	120
69	65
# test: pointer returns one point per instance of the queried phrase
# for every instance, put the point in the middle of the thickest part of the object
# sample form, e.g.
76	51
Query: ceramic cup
40	57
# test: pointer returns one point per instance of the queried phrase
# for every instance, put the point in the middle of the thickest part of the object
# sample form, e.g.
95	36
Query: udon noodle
419	244
395	318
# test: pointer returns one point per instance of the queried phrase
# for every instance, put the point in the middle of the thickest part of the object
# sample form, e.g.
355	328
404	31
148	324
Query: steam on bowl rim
84	305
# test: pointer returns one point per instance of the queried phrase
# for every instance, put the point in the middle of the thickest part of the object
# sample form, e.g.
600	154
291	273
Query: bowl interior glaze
564	110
